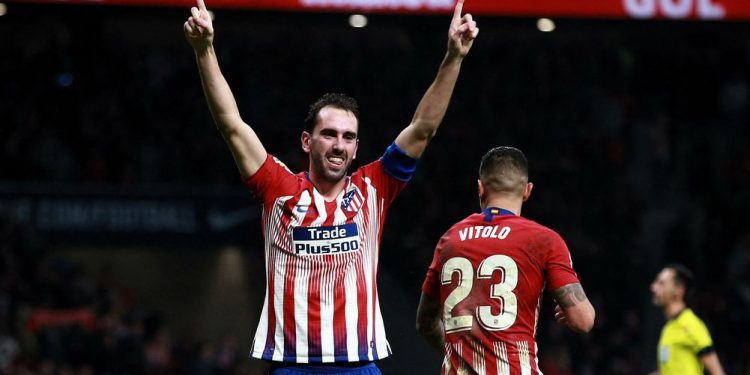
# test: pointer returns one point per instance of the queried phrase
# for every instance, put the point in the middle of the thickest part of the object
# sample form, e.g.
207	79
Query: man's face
333	143
664	289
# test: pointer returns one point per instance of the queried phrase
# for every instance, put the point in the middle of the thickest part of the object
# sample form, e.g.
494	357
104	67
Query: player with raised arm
481	296
321	227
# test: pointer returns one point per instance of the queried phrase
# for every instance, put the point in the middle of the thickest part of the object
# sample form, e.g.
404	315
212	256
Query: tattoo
570	295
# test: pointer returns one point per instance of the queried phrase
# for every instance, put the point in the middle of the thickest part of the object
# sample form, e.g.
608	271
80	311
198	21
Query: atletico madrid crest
352	200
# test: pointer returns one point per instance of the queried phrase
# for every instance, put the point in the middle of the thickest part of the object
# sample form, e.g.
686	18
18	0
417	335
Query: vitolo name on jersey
335	239
481	231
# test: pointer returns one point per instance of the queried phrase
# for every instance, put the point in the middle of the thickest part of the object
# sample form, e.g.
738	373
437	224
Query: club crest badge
353	200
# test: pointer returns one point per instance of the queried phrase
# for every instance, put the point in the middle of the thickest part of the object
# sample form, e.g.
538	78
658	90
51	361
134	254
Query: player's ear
480	192
305	142
527	191
356	147
680	291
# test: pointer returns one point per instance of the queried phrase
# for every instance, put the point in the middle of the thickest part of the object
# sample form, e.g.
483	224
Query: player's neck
673	309
511	204
329	190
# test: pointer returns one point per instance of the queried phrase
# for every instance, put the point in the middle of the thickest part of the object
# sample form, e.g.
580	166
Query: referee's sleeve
700	338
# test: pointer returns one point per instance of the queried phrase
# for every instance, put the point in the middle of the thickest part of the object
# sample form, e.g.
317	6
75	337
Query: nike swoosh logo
304	209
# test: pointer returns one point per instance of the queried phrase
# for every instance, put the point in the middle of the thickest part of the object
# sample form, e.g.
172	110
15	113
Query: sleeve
431	284
391	172
559	265
699	338
273	179
398	164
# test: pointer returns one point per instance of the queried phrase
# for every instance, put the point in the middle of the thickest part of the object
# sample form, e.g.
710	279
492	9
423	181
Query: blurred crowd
59	318
636	132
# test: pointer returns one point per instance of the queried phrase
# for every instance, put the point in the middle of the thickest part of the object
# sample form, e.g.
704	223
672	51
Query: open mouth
336	161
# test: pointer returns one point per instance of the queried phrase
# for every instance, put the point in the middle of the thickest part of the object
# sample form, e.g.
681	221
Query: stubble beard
319	163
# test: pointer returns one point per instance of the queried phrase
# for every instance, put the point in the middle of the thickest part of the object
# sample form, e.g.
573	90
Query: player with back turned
481	296
321	227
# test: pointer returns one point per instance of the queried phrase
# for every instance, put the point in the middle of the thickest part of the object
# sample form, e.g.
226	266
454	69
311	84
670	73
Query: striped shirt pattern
490	358
321	302
495	265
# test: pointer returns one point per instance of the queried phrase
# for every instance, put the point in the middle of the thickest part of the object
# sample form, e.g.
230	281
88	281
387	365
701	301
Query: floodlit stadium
129	244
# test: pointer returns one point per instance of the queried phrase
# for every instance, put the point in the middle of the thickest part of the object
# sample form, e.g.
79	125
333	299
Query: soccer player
685	346
481	296
321	227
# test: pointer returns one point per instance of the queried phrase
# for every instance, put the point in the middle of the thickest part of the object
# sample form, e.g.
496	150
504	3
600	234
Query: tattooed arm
573	308
429	324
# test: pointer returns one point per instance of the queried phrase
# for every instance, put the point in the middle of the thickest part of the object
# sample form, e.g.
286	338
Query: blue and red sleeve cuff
398	164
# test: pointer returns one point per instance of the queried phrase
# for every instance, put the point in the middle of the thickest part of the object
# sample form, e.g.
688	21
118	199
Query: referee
685	346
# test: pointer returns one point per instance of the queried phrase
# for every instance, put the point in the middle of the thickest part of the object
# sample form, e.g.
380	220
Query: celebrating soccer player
321	227
480	298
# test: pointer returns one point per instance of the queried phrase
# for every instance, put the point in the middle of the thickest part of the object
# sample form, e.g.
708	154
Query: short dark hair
504	169
683	277
336	100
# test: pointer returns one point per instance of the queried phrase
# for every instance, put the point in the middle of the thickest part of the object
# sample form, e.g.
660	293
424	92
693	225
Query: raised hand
199	29
462	32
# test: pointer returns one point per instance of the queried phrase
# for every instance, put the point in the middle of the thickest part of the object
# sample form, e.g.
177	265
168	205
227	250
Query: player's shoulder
367	171
539	239
536	228
271	174
280	173
689	318
277	163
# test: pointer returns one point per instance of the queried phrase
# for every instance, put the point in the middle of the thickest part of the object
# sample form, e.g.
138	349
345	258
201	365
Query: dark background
636	134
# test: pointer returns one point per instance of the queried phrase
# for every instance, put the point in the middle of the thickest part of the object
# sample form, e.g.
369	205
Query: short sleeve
699	338
398	164
559	265
272	179
388	187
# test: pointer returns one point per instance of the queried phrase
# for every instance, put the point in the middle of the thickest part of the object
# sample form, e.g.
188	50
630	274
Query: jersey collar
490	212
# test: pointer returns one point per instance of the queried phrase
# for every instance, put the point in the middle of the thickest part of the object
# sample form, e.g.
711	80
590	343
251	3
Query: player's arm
711	363
414	138
244	144
573	308
429	324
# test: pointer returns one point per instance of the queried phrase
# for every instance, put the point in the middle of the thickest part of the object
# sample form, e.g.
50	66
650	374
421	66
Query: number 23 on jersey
502	291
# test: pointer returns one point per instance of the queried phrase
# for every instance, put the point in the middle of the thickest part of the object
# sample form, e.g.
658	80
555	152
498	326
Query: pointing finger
201	5
456	11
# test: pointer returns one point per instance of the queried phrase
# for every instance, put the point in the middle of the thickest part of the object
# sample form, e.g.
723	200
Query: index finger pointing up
456	12
201	5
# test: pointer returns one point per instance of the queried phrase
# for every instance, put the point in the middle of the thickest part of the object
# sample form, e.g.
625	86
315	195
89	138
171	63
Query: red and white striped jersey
321	302
489	272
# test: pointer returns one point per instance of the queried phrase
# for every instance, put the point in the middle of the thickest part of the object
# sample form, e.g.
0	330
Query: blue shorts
368	369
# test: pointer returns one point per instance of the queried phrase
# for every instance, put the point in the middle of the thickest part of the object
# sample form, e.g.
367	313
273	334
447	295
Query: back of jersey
489	272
